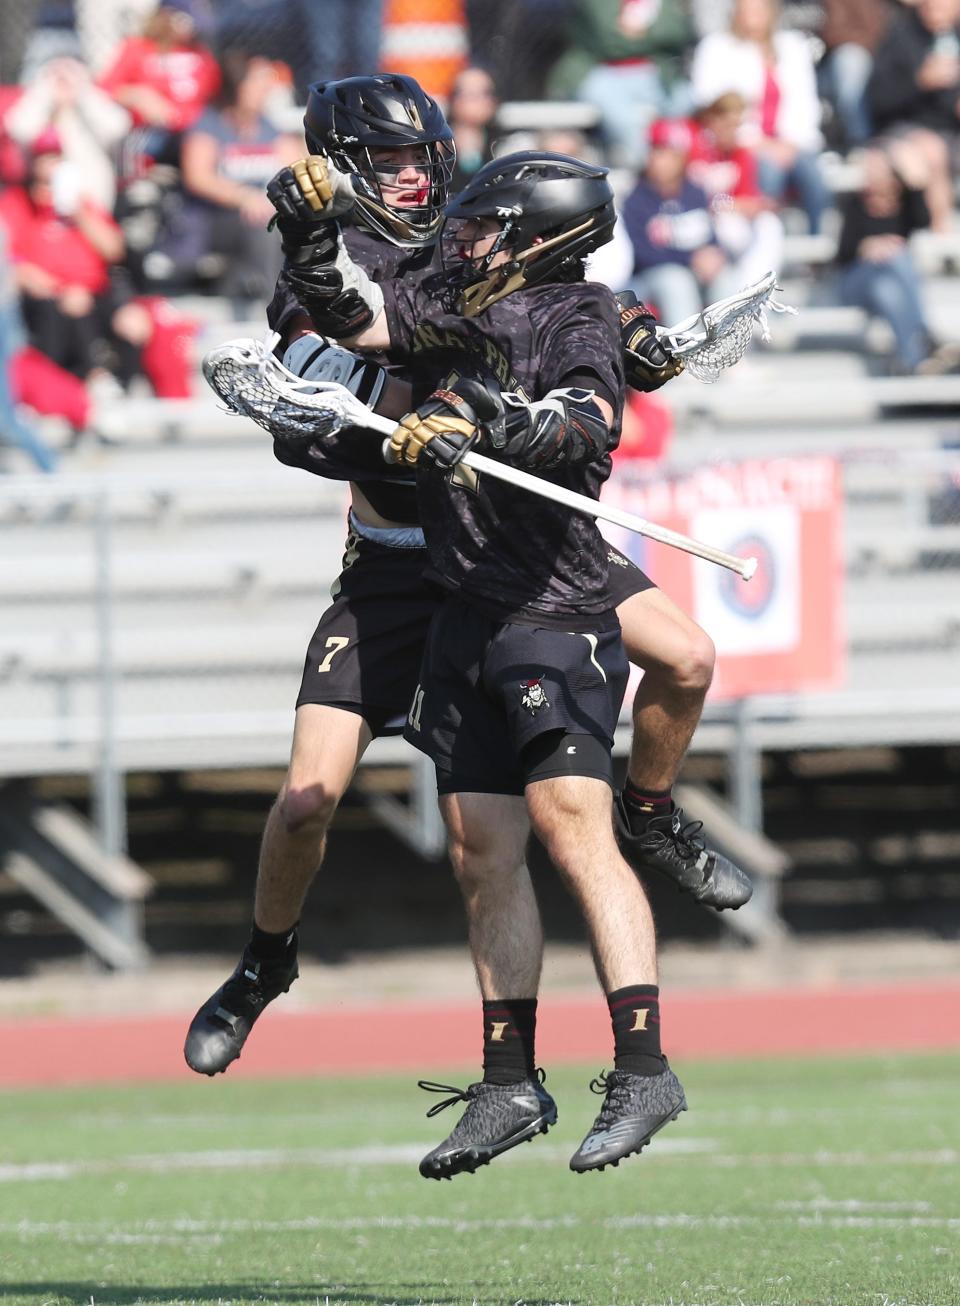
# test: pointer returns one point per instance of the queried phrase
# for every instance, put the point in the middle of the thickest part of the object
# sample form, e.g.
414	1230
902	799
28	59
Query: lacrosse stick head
718	337
253	383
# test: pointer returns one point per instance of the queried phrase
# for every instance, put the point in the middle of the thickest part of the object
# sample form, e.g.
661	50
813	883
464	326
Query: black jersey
355	455
508	552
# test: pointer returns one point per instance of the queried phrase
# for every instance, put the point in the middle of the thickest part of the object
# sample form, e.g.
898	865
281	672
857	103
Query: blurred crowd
136	139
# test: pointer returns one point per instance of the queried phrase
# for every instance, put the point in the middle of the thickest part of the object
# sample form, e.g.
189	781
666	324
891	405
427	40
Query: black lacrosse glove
447	424
647	365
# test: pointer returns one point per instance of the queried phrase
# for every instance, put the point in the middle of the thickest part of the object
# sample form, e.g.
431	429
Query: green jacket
595	38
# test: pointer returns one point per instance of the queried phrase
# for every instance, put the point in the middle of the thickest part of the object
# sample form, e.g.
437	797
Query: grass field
818	1181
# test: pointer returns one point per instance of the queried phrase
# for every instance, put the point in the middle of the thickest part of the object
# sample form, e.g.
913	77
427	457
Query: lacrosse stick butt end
387	451
748	568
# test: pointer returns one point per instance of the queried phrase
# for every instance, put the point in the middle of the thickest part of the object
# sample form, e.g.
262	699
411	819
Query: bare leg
327	746
487	840
571	816
677	658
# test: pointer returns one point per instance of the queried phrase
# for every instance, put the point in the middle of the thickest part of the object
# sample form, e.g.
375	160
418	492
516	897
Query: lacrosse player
524	670
382	157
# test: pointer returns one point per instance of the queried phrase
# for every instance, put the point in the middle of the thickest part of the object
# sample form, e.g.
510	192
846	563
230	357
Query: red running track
416	1037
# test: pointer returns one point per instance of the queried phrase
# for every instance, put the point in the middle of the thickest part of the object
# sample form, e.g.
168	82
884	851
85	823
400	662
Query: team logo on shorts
533	696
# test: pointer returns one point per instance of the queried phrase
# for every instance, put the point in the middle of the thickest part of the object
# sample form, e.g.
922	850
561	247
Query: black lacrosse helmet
347	119
565	202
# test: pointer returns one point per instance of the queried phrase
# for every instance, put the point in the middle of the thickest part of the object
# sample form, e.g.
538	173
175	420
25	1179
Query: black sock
645	805
509	1028
635	1014
273	947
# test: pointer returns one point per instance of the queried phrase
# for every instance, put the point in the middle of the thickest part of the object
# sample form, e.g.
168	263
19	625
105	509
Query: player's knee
692	671
481	863
307	806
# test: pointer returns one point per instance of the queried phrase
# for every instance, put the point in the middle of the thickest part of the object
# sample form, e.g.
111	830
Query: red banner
782	631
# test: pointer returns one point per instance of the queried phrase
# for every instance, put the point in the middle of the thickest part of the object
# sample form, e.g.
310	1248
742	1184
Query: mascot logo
533	696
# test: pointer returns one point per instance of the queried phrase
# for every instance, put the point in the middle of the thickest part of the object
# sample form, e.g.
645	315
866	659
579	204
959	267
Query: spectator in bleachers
319	40
676	256
875	269
748	231
63	247
13	429
62	98
914	91
626	58
471	114
52	35
103	24
227	158
773	70
164	78
851	32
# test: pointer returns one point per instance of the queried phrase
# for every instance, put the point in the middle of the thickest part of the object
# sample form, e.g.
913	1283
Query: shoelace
608	1089
687	838
460	1094
456	1094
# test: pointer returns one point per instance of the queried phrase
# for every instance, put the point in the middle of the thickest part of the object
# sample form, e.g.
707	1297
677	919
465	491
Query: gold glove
313	178
434	421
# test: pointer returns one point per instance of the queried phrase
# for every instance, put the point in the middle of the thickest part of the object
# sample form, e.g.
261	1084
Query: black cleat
220	1028
678	851
498	1117
634	1108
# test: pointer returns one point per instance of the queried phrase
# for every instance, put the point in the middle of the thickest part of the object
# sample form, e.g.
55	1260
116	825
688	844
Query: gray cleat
634	1108
498	1117
678	851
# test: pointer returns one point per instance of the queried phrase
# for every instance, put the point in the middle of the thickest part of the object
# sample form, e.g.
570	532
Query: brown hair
162	27
729	102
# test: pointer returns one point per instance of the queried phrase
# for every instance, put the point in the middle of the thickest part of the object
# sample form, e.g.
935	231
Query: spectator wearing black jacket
914	92
876	271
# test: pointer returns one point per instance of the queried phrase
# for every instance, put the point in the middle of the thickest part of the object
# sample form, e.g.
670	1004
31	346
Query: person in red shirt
164	78
747	228
62	247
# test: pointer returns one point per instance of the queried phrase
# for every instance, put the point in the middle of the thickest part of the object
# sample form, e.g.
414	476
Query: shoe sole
222	1070
633	1151
472	1158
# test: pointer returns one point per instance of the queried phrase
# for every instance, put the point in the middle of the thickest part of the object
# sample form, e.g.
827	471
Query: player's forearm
567	426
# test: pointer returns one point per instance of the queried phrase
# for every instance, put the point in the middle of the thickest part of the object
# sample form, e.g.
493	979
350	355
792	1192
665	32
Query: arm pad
315	359
566	426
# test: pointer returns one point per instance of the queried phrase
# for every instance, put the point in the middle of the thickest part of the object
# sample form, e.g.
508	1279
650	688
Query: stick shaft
744	567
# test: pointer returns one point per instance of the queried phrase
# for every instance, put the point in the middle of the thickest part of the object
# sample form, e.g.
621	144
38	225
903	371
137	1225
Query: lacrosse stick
711	341
252	382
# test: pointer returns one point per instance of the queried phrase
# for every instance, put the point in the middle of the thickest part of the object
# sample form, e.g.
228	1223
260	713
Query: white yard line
663	1149
179	1230
261	1158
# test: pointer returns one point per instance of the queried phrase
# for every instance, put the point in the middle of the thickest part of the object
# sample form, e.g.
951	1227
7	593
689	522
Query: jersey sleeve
405	305
582	340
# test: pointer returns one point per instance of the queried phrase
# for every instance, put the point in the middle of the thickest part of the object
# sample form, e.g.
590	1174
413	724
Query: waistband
392	537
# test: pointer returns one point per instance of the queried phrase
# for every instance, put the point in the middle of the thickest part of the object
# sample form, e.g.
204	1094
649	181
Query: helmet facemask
471	284
414	225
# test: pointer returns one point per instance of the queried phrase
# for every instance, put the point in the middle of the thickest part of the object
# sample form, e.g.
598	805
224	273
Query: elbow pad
566	426
338	295
315	359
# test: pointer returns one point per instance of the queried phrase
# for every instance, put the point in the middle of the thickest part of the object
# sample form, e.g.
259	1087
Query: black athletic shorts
625	577
365	654
488	689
